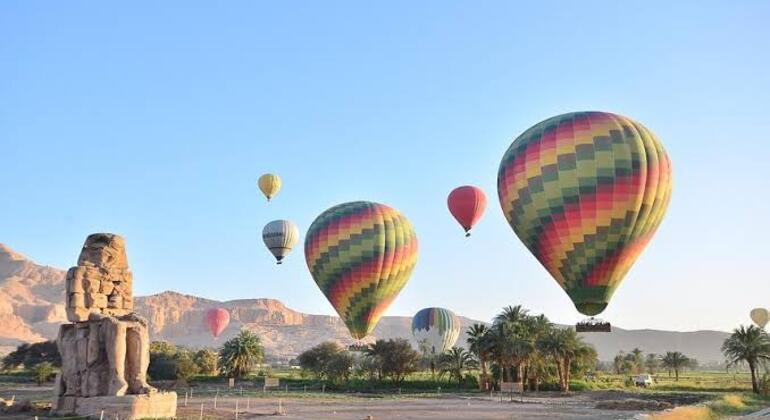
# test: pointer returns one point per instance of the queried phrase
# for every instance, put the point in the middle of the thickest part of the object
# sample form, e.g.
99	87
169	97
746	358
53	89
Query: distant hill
32	307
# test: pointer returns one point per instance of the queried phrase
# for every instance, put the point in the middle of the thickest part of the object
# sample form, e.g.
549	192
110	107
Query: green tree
162	361
652	363
43	372
676	362
456	362
479	344
637	360
396	358
618	362
240	354
207	362
749	345
327	360
185	367
30	355
564	346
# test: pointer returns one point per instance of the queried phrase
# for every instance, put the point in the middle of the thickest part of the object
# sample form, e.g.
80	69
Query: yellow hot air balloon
269	184
760	316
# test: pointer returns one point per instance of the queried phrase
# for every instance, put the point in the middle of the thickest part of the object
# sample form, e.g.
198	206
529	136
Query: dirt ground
450	406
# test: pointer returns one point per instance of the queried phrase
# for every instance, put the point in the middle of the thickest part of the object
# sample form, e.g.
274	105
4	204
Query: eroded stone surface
106	349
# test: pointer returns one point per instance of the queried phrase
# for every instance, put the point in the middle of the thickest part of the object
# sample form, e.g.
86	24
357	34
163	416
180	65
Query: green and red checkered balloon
585	192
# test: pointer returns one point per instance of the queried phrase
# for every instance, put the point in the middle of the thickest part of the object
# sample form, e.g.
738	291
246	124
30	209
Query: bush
240	354
184	366
31	355
207	362
43	372
162	361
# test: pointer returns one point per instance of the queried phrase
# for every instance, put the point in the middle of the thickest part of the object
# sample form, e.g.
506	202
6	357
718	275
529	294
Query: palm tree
240	354
564	346
456	361
748	345
652	362
479	344
637	360
375	352
676	361
618	362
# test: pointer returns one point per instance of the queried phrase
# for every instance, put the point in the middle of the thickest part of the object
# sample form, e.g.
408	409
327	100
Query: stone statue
105	351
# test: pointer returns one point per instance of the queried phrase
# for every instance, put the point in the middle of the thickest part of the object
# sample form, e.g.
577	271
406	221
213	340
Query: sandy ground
447	407
341	406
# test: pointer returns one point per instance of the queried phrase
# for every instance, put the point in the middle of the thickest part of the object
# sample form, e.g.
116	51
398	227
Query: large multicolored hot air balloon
436	328
585	192
269	184
760	316
217	320
467	204
361	255
280	236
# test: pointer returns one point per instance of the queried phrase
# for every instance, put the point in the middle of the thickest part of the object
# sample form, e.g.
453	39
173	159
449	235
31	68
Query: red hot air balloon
467	204
217	320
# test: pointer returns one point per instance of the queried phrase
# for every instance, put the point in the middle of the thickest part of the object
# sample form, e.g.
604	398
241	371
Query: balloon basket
593	325
358	347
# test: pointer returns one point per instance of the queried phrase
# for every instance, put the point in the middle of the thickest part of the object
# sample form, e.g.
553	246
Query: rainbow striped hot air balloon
361	255
585	192
436	328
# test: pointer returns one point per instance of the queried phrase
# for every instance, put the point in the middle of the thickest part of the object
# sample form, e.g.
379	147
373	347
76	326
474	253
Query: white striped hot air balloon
280	236
435	329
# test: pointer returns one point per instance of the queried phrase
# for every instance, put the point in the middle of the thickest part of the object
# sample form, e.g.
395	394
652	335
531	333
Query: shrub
184	366
207	362
327	361
43	372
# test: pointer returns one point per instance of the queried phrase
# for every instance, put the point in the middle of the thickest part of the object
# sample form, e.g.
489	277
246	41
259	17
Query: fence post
241	391
185	398
287	387
236	409
248	403
101	415
201	416
215	400
323	389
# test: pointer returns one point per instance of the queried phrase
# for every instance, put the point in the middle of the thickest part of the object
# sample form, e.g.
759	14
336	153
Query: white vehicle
643	380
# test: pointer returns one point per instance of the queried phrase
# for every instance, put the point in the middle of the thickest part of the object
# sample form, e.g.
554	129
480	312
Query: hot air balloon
280	236
436	328
269	184
467	204
760	316
217	320
361	255
585	192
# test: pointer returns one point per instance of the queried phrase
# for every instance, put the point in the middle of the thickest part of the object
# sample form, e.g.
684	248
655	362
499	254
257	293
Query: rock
106	350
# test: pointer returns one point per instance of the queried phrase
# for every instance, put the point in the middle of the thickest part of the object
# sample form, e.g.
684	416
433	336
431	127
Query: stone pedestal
105	350
126	407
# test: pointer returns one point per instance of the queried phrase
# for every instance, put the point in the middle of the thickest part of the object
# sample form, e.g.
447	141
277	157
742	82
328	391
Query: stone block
159	405
106	288
77	314
96	300
91	284
77	300
115	301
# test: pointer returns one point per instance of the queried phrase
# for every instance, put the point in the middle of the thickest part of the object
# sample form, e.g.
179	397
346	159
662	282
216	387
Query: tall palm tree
455	362
479	344
564	346
239	355
637	360
375	352
676	361
652	362
748	345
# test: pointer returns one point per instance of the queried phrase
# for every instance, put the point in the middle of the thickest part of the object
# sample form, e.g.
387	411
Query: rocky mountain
32	307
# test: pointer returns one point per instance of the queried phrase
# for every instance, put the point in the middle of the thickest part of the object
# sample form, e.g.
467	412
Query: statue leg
138	359
115	345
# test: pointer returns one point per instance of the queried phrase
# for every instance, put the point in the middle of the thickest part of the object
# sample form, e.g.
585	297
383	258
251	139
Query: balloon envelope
361	255
467	204
585	192
436	328
760	316
280	236
269	184
217	320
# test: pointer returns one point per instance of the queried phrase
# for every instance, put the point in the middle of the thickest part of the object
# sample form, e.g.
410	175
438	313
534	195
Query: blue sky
154	120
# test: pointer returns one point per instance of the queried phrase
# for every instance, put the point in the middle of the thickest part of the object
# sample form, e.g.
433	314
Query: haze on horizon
155	120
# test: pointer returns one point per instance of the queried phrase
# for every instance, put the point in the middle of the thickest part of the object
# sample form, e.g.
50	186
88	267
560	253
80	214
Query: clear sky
154	120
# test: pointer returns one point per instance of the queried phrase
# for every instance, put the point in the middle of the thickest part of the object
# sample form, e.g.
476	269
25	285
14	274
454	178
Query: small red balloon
467	204
217	320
